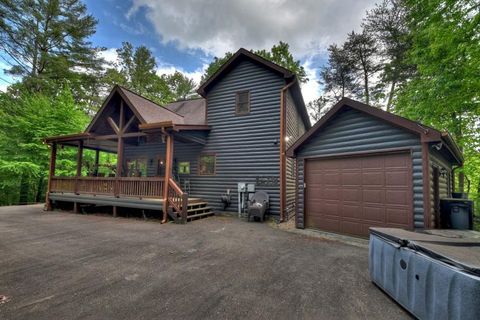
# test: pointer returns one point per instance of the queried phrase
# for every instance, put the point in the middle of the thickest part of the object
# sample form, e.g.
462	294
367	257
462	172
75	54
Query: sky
185	35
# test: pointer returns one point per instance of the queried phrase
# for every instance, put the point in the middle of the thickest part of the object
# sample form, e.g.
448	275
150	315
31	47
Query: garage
360	167
349	195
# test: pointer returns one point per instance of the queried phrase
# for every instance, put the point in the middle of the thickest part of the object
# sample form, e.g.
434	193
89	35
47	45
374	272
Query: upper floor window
242	105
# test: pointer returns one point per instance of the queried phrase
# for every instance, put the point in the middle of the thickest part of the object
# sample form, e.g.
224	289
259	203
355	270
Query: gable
100	124
351	130
246	75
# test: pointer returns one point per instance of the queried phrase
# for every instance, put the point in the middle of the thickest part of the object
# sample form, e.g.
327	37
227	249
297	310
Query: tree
46	44
279	54
180	85
317	108
26	120
363	52
137	70
445	91
214	66
387	23
338	76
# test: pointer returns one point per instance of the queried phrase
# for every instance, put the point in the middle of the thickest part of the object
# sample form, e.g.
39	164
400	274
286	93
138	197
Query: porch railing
142	187
177	201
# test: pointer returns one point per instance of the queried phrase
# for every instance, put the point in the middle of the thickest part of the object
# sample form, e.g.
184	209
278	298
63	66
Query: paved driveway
61	265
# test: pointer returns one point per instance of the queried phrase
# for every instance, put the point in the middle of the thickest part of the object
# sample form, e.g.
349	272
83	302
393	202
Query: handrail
177	201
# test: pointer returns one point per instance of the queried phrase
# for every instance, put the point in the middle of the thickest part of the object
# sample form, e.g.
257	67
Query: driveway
60	265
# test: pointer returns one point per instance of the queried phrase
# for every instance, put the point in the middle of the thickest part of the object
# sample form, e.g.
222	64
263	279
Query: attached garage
360	167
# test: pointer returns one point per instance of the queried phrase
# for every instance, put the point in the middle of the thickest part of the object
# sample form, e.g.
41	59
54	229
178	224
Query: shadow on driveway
60	265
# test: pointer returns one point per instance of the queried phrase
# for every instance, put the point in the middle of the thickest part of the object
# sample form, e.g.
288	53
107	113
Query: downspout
283	108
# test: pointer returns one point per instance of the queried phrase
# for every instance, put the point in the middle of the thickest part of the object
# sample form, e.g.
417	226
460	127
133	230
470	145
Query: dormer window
242	106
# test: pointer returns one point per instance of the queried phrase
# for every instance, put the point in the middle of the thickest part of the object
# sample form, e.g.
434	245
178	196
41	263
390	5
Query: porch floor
106	200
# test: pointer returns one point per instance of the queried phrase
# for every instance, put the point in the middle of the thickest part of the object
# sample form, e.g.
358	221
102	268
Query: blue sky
185	35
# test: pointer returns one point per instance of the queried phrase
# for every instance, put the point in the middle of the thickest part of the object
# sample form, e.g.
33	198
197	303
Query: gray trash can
457	213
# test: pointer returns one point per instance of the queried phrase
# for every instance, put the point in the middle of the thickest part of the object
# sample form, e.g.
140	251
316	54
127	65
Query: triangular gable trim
427	134
118	90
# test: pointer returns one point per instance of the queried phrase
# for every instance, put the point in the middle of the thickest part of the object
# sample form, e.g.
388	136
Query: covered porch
143	176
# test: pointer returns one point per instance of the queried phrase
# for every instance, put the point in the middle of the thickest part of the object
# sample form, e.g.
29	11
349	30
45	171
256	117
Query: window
206	165
242	103
184	167
137	167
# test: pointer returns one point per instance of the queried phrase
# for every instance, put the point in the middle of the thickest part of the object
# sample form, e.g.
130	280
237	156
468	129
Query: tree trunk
24	190
367	93
390	95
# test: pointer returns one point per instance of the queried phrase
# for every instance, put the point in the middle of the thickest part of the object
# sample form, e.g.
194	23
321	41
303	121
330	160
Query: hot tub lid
459	248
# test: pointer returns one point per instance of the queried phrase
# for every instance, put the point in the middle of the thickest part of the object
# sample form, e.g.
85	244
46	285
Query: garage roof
427	134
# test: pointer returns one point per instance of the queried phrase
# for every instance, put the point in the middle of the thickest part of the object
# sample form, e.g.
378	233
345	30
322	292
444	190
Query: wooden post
168	174
79	164
97	158
53	160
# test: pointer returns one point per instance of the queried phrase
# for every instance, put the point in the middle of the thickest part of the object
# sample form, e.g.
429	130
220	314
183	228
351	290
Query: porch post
119	156
95	167
168	174
51	173
79	164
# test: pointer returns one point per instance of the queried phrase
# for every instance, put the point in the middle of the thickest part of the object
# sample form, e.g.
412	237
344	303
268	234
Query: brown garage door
349	195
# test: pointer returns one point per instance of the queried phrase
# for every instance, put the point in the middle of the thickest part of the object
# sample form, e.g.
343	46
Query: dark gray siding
246	146
295	128
354	131
438	160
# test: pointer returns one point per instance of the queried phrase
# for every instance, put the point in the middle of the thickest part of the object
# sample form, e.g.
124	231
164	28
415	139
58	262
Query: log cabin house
182	157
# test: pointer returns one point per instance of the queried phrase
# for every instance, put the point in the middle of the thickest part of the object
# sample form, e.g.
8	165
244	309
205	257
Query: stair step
196	204
200	215
199	209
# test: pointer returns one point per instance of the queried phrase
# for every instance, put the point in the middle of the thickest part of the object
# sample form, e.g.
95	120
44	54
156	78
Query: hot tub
434	274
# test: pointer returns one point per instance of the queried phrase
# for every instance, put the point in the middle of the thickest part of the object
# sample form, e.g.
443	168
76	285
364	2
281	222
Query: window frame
214	155
237	103
189	167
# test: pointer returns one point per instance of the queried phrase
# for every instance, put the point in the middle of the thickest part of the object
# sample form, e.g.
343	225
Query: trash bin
456	213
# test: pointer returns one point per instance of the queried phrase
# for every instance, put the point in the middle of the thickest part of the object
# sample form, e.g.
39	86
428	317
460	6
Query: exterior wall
294	129
354	131
438	160
246	146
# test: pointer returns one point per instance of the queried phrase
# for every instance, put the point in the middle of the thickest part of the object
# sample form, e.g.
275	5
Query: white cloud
219	26
110	55
311	89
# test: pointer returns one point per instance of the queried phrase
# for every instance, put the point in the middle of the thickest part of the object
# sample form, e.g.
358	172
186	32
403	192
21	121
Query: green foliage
26	120
46	43
279	54
338	76
445	90
181	86
137	70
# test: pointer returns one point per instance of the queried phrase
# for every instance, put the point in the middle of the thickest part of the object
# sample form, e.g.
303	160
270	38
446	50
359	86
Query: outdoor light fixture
287	138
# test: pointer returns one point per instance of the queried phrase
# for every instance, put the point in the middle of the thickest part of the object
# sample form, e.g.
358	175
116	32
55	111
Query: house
182	157
360	166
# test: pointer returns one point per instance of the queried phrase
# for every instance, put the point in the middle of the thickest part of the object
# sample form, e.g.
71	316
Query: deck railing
177	201
141	187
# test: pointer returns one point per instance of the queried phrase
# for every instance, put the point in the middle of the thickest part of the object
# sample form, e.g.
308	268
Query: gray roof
149	111
193	111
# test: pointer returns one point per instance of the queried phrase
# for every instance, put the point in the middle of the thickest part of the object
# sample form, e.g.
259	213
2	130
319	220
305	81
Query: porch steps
197	209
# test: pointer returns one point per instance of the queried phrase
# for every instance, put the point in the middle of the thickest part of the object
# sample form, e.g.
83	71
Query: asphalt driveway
60	265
